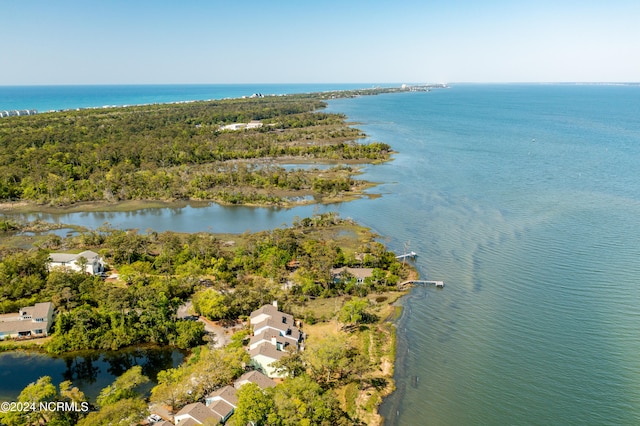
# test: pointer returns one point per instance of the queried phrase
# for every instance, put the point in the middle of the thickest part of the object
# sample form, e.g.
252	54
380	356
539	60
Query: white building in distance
92	262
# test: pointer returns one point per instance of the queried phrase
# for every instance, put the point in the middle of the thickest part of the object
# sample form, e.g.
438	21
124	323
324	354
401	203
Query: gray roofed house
273	332
290	332
223	409
269	335
189	422
254	377
270	311
226	393
264	356
72	261
29	322
196	413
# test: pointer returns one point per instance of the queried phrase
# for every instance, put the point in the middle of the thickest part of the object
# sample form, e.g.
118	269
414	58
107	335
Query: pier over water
439	284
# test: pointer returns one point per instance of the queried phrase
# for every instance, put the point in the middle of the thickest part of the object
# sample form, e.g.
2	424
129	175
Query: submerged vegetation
182	151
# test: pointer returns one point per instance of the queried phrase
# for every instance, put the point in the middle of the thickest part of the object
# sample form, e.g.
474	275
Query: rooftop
255	377
267	350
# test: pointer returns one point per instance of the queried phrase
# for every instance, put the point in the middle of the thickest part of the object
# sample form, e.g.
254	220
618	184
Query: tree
173	388
74	396
254	405
120	403
189	334
205	371
124	412
123	387
291	365
354	311
331	359
301	401
35	393
211	304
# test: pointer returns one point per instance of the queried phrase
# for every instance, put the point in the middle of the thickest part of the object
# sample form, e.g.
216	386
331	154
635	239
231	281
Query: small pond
90	371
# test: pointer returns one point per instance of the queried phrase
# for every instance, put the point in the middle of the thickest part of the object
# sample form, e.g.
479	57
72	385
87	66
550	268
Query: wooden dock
439	284
411	255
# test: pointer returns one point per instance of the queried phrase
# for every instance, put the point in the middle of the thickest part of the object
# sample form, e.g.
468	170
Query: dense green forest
227	277
159	271
181	151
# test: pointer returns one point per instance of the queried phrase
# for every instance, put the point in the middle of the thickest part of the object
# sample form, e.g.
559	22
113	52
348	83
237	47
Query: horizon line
320	83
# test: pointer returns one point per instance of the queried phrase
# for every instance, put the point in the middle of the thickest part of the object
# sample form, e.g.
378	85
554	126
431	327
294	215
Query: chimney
275	304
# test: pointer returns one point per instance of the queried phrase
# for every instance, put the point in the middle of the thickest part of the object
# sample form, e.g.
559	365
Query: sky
329	41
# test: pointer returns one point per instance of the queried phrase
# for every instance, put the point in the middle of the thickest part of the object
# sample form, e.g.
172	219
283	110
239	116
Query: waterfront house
30	322
93	264
268	322
360	274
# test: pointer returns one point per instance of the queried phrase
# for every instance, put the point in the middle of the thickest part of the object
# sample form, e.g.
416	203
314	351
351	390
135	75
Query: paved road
222	334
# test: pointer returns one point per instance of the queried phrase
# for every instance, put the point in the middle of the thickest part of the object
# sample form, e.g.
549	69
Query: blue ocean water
525	200
48	98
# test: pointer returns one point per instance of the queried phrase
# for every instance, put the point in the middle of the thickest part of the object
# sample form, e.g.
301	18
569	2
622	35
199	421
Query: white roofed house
90	260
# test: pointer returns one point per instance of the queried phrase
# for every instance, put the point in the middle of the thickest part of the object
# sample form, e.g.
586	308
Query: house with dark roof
226	393
222	409
29	322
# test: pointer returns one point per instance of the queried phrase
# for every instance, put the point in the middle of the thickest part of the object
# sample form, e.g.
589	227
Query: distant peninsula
274	150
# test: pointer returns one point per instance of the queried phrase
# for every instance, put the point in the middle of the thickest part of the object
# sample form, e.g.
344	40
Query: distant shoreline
121	96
